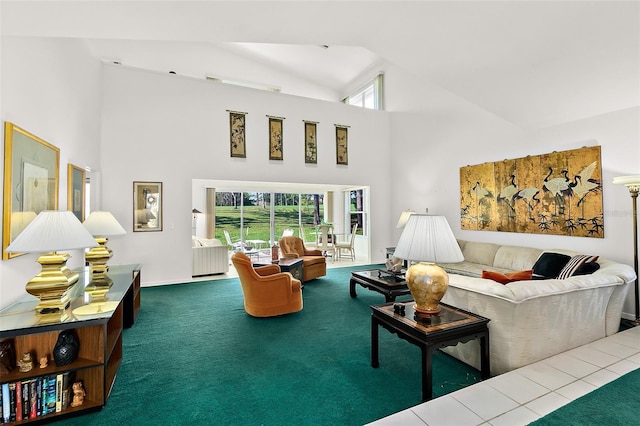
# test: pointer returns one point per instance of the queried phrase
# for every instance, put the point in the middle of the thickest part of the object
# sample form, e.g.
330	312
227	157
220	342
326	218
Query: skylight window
369	96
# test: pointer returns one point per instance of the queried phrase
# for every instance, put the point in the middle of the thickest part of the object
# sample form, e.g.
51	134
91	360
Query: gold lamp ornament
101	225
49	232
427	239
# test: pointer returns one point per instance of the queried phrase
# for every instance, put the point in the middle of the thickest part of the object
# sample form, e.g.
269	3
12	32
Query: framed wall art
147	206
237	134
559	193
275	138
310	142
342	144
31	171
76	177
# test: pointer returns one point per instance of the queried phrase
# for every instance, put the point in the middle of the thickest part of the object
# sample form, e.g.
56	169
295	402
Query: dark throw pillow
549	264
508	278
587	268
574	264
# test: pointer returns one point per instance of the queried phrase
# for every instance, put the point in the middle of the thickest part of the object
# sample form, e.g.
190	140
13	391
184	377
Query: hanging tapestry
558	193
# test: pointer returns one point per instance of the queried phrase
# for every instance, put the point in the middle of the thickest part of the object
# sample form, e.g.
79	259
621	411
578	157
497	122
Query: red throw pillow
508	278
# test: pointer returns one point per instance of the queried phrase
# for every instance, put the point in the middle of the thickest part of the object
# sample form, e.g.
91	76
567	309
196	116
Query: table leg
427	379
352	288
374	343
485	364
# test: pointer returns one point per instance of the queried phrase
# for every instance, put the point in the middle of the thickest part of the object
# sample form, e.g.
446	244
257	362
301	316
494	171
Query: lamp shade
52	231
100	223
630	181
404	217
427	238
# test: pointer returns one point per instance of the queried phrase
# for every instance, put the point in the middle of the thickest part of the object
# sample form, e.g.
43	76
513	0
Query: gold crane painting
558	194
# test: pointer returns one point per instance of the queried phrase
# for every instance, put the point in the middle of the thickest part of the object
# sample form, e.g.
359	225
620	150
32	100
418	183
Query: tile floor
528	393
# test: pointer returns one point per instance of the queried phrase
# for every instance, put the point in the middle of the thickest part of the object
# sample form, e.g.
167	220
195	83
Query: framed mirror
31	171
147	206
76	177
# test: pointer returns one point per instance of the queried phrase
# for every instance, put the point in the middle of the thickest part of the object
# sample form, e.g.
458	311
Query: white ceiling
533	63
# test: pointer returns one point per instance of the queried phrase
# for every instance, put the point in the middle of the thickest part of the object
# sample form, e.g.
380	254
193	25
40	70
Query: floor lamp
633	183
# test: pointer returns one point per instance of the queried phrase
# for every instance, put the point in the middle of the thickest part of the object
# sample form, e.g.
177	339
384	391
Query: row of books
32	398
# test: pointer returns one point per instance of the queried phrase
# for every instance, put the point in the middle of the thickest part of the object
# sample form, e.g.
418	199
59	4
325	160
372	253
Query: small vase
66	348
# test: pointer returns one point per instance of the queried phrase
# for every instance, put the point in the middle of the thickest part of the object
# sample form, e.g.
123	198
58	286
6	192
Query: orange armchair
314	264
267	291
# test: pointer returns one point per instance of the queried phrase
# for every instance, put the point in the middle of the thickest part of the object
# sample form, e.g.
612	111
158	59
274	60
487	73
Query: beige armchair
267	291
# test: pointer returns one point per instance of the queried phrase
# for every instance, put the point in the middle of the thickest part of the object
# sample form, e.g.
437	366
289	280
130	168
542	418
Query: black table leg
427	376
352	288
485	367
374	343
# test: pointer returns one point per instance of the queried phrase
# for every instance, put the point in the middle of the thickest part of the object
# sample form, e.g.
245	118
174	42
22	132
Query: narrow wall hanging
342	144
310	142
237	133
275	138
558	193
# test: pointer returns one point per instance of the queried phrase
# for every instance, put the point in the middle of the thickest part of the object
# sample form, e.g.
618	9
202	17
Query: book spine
6	403
67	379
33	399
18	401
51	394
25	400
39	396
58	393
12	400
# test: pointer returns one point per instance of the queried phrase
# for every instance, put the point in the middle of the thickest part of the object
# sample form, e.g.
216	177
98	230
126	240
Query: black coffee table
450	327
390	284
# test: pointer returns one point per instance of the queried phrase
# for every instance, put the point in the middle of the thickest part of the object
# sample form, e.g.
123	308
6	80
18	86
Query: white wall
434	133
169	128
51	89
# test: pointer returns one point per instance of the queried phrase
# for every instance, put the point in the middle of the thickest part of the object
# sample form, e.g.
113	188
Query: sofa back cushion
482	253
516	258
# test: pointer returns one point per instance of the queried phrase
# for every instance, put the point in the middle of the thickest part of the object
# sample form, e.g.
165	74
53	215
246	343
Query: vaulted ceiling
533	63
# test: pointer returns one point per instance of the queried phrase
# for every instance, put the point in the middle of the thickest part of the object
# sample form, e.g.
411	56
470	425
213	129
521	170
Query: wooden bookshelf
99	336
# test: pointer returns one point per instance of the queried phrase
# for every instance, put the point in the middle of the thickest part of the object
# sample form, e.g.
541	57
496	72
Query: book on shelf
18	401
6	403
12	399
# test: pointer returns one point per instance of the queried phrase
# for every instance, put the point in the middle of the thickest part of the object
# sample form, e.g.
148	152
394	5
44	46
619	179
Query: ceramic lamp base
428	283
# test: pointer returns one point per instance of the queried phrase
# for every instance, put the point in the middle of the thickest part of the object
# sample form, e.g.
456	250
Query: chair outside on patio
236	245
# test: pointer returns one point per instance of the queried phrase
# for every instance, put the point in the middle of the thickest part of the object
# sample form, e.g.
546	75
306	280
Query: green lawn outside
256	219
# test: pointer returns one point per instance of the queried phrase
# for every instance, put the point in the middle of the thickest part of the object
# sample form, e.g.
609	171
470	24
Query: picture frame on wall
342	145
31	172
147	206
310	142
76	177
275	138
237	134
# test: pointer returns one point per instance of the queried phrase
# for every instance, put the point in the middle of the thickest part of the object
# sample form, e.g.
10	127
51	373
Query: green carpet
194	355
616	403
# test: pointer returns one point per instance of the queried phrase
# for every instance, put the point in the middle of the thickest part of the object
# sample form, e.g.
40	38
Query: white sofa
533	319
210	256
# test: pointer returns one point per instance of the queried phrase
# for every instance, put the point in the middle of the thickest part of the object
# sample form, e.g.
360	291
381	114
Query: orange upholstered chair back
292	245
